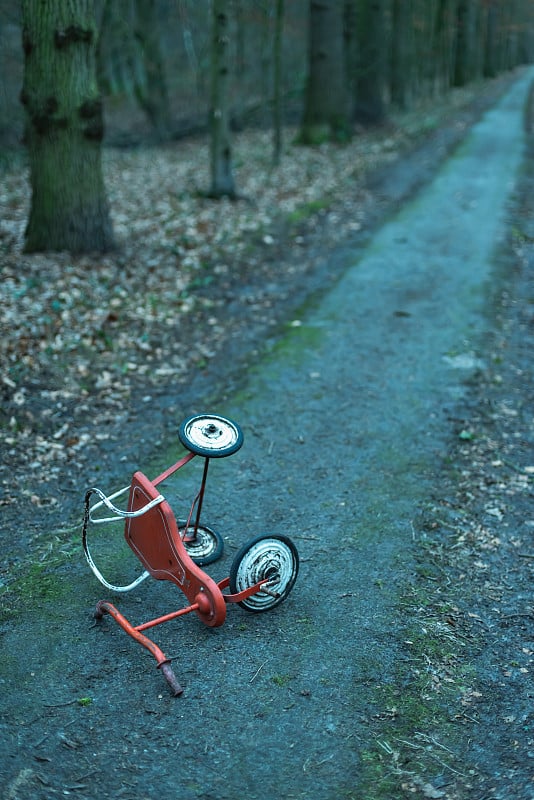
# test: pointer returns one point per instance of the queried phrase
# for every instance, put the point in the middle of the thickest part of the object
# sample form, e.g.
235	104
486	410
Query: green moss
416	708
281	680
43	579
37	586
314	134
307	210
378	784
336	129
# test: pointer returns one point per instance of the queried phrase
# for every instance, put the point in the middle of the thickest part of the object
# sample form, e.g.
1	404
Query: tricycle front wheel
274	558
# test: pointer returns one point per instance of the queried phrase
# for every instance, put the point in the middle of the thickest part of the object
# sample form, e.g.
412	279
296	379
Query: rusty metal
163	663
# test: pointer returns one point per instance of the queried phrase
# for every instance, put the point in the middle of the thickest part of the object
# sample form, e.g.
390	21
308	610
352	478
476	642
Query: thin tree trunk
240	66
265	59
465	43
402	54
119	58
151	90
222	180
64	128
277	80
444	48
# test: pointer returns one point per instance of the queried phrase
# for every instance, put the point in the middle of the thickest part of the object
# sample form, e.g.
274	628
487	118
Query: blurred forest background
168	68
119	269
154	57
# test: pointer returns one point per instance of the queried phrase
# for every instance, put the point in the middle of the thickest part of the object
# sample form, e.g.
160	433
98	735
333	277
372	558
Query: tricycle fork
163	662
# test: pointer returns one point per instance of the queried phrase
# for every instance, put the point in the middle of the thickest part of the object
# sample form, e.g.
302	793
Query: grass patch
304	211
39	585
423	710
43	577
281	680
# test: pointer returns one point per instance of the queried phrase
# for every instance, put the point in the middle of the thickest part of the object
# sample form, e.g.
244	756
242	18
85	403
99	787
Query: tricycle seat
155	539
154	536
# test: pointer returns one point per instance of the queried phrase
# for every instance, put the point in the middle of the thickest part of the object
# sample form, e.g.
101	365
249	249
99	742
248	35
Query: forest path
347	421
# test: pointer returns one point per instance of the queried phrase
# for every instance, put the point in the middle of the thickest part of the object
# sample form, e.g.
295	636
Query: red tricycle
262	573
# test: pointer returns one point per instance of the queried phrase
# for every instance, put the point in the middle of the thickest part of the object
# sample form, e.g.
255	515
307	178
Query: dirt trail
347	422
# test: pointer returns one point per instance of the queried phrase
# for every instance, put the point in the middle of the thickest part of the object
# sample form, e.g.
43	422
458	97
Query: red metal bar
167	617
239	596
135	632
163	662
174	468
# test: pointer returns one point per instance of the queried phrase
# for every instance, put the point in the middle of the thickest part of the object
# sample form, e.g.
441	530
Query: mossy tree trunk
64	128
222	179
326	103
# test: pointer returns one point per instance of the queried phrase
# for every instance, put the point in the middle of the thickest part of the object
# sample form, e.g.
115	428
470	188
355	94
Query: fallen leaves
85	338
82	332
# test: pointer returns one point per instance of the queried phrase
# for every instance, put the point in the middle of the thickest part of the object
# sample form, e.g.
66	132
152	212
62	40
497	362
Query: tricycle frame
270	563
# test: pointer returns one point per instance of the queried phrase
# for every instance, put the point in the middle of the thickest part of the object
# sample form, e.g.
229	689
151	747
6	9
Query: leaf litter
83	335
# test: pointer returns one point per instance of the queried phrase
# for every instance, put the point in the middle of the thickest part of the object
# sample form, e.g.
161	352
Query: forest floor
87	340
94	348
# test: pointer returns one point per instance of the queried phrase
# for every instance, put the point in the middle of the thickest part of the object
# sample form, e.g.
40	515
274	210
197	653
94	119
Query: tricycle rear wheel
206	547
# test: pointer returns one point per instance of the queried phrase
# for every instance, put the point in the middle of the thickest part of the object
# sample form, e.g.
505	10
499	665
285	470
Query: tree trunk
277	80
466	43
240	66
265	59
402	53
222	181
526	33
151	90
350	47
64	128
117	61
325	112
490	42
444	45
370	106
